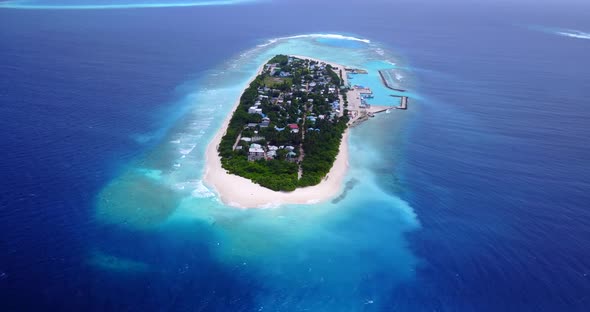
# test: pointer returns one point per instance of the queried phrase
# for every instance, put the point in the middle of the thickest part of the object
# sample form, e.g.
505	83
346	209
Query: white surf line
326	36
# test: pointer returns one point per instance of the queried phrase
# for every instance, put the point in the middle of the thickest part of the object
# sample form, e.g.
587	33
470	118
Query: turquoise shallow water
322	246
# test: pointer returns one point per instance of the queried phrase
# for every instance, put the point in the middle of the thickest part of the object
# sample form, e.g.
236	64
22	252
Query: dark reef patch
350	184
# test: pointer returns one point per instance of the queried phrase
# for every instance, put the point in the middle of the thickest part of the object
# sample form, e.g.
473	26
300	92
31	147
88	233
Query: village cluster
297	97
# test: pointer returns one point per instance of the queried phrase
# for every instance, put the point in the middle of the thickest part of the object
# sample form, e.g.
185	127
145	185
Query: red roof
293	126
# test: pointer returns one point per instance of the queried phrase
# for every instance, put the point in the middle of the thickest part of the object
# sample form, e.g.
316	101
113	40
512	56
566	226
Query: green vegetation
280	59
277	175
321	149
285	111
335	77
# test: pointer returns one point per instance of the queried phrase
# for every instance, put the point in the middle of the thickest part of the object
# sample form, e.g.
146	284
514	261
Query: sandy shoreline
240	192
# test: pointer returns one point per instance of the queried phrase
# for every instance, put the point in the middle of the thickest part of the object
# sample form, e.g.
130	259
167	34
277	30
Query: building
255	152
265	122
294	128
254	110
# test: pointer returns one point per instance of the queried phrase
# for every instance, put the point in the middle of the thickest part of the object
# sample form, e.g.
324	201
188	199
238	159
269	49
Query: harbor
360	110
358	97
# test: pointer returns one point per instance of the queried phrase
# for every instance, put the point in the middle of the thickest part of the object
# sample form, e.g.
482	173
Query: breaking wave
564	32
574	34
324	36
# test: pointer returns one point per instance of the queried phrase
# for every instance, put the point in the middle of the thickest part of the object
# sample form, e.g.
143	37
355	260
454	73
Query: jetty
403	98
387	84
355	70
403	101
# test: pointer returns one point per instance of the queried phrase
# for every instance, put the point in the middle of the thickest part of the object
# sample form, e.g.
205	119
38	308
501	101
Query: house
255	152
294	128
245	139
265	122
254	110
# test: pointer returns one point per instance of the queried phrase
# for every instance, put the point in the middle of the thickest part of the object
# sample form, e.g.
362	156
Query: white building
255	152
255	110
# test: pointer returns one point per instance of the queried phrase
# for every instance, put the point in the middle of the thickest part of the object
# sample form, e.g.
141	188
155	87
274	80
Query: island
286	140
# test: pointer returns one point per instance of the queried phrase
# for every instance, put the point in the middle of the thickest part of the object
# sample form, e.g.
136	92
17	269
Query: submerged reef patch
136	199
114	263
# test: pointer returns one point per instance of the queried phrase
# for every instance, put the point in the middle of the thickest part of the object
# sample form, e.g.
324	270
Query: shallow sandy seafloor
323	244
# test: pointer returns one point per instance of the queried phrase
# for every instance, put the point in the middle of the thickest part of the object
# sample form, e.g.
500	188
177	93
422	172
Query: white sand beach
240	192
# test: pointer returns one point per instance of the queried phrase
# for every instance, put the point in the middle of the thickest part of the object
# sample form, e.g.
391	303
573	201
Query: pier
403	104
355	70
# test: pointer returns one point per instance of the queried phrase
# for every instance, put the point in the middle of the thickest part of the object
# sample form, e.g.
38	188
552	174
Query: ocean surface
474	199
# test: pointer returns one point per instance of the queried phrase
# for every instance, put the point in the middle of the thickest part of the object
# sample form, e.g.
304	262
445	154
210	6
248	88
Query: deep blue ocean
479	195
